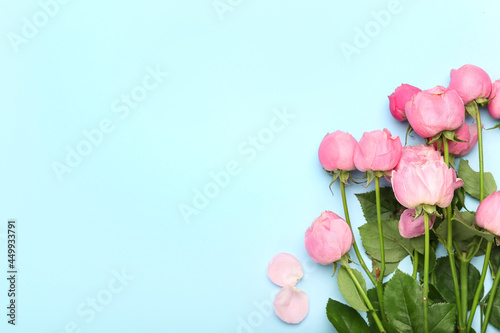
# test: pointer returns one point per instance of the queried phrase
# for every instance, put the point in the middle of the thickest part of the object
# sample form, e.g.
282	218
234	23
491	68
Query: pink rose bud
377	151
470	82
328	238
429	183
420	153
467	133
336	151
435	110
398	99
410	227
494	104
488	213
285	270
291	305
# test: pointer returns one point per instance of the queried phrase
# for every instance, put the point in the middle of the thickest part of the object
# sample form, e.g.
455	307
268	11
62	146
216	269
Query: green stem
426	271
446	152
464	273
449	248
481	162
380	232
366	299
490	302
354	245
415	264
480	286
380	275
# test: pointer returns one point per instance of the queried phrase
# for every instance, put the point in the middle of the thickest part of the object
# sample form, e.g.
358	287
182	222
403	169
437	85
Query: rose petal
291	305
285	270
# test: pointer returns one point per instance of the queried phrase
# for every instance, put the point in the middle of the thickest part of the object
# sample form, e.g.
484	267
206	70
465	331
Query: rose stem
464	272
480	286
415	264
354	245
481	162
380	277
366	299
426	270
481	197
449	245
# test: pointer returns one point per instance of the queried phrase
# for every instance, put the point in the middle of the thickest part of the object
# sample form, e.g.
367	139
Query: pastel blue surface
117	115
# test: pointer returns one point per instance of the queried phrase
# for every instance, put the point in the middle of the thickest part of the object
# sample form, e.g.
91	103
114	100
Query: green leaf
494	127
432	262
472	109
495	310
442	317
349	290
495	258
459	198
434	295
373	297
404	304
464	228
344	318
418	243
396	246
390	208
444	281
471	180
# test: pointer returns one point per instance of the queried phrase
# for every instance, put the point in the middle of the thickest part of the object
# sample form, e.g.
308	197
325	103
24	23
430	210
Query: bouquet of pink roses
422	210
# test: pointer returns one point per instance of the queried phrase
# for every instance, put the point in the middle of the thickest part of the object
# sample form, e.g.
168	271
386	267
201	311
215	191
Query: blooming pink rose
466	133
336	151
285	270
470	82
377	151
398	99
420	153
328	238
410	227
488	213
427	183
494	104
291	305
435	110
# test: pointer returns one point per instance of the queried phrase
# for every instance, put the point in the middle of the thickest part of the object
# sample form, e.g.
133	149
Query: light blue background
119	209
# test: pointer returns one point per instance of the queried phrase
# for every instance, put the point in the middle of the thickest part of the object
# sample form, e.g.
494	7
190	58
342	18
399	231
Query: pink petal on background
291	305
285	270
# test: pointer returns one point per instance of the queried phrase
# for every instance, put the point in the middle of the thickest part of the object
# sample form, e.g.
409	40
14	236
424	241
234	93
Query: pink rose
428	183
420	153
467	133
328	238
470	82
285	270
291	305
488	213
377	151
410	227
435	110
398	99
336	151
494	104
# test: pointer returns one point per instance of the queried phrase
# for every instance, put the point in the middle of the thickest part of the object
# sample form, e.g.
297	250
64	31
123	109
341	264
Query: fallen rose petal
291	305
285	270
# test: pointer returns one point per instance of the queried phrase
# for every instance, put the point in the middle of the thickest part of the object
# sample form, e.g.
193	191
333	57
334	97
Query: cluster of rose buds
419	176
